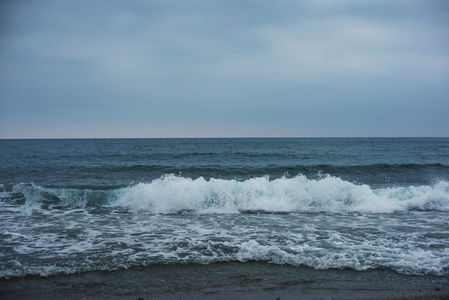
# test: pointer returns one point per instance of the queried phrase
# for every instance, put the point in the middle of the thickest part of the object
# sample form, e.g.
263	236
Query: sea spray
174	194
69	206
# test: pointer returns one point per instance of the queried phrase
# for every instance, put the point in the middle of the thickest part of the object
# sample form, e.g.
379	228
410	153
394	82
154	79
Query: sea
71	206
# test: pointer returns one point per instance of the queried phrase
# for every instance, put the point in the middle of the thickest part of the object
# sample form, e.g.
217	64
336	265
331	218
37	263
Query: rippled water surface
70	206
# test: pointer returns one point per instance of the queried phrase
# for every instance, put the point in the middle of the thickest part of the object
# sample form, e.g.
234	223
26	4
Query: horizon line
229	137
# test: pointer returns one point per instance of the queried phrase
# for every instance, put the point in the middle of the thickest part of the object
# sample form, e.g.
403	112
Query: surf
176	194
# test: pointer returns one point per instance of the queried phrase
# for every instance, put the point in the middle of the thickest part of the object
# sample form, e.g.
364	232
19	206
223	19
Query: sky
246	68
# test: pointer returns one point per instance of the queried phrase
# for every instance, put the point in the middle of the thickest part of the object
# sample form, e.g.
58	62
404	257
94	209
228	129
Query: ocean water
71	206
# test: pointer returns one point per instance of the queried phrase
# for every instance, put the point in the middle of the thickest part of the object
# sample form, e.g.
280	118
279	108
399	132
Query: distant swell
107	175
300	194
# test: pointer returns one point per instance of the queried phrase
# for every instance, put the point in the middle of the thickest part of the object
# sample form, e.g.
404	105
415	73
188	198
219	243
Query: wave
356	257
175	194
106	175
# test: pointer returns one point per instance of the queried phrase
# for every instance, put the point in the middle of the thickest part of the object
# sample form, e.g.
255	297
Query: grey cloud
240	66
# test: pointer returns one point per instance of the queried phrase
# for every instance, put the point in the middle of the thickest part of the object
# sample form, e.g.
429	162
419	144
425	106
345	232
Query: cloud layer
224	68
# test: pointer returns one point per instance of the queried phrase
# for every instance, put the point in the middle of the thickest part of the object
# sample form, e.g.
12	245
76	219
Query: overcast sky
224	68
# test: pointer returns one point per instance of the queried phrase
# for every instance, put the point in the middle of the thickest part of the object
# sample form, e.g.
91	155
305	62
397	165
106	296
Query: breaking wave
174	194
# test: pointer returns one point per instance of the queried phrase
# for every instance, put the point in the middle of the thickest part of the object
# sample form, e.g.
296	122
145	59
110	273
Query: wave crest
175	194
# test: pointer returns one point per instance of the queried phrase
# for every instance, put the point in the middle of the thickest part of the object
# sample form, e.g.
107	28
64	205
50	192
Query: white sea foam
358	257
77	240
174	194
299	194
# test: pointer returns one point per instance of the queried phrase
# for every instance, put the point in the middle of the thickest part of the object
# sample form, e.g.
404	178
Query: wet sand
253	280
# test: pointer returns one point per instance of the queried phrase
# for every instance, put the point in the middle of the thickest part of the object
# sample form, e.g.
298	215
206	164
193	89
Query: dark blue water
119	162
83	205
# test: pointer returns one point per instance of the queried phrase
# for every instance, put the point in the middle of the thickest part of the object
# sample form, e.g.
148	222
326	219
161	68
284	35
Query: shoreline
232	280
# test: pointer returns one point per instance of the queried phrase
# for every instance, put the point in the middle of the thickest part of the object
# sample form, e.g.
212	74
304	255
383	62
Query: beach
253	280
